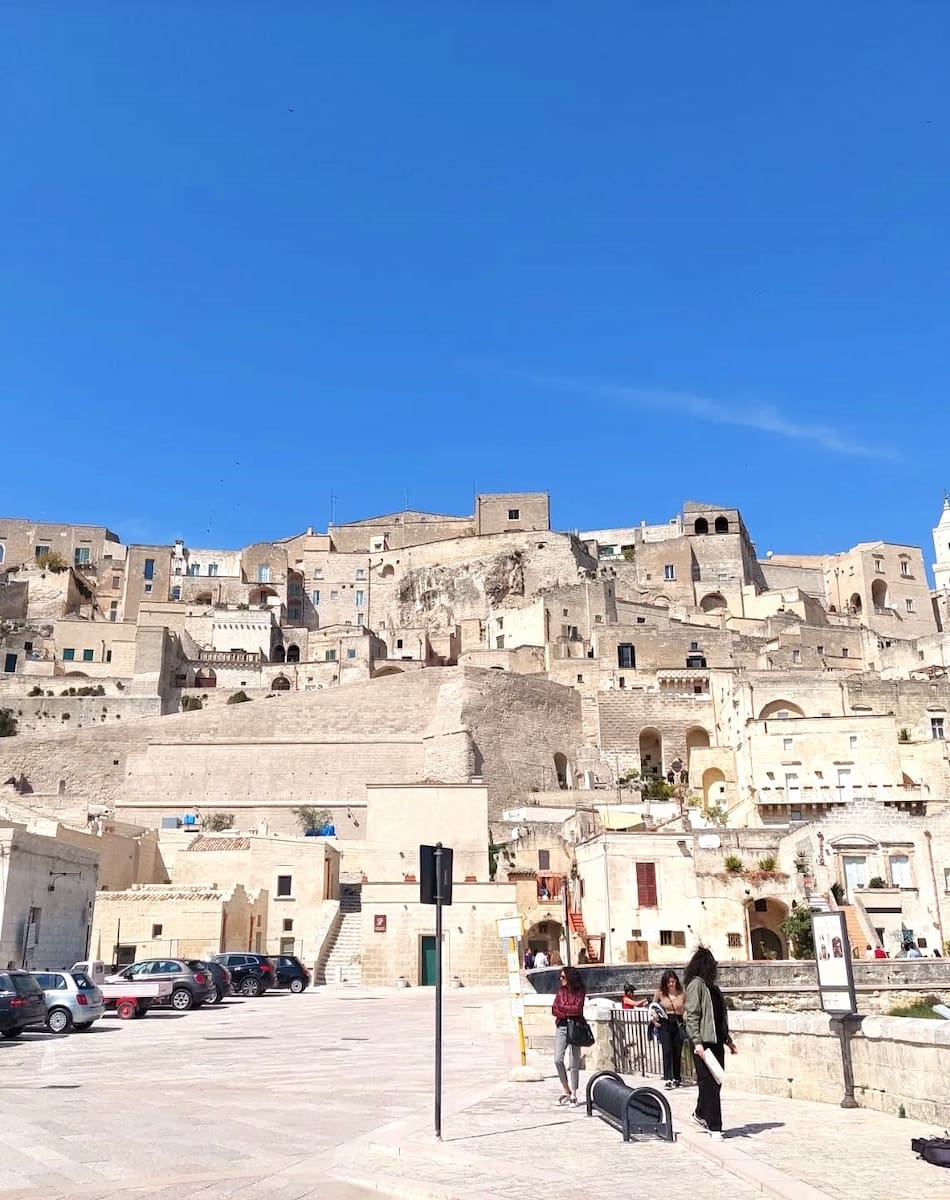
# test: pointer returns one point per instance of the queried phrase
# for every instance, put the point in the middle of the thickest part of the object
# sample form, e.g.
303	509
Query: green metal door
428	961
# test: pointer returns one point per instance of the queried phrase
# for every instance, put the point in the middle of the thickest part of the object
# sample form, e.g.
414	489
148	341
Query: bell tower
942	548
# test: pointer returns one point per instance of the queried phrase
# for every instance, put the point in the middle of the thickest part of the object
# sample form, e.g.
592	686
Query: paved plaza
329	1094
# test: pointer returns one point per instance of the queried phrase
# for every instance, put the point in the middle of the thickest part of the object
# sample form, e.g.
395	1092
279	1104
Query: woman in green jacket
707	1027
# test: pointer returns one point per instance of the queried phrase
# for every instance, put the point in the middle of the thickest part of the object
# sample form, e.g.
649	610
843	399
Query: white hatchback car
72	1000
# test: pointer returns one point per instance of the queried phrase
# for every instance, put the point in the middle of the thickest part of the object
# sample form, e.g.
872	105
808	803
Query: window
580	679
852	740
176	593
796	656
359	598
81	555
69	654
116	582
694	646
295	591
608	549
398	643
194	569
622	682
108	656
288	925
672	937
157	931
879	566
148	589
909	604
87	656
360	573
544	860
334	595
900	871
285	885
294	613
695	662
318	572
936	724
329	656
905	568
734	941
501	622
514	514
845	651
263	573
626	656
669	571
315	598
351	653
360	618
148	570
761	906
212	569
646	884
500	642
40	551
787	743
821	649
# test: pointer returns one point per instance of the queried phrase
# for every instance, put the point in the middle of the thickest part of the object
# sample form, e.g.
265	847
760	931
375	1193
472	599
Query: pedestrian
868	952
554	959
568	1003
707	1027
880	952
529	959
583	957
540	959
668	1011
629	998
913	951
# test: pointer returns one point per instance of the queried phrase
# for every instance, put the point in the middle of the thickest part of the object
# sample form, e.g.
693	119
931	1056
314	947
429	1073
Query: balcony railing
229	658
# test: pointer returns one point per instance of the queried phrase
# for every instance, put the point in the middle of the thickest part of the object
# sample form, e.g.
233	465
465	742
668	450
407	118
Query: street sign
435	874
833	960
510	927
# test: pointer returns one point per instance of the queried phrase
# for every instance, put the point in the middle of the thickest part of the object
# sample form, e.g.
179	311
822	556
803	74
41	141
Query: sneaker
716	1135
669	1084
677	1083
697	1120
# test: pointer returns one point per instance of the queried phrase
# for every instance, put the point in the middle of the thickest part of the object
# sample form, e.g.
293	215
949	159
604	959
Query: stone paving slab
330	1094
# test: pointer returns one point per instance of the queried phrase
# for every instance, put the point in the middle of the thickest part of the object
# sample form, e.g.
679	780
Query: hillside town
636	738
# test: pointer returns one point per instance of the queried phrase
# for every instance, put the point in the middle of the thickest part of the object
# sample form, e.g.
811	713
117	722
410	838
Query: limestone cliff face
445	595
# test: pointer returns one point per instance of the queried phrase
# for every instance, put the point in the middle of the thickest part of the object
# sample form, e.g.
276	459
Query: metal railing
635	1052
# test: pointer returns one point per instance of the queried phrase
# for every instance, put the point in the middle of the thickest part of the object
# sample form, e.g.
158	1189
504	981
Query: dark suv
192	982
22	1003
251	974
291	973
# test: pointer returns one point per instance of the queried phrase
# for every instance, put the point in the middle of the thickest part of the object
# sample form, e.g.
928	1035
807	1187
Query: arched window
280	684
879	595
387	572
3	552
206	678
713	603
780	709
701	525
278	654
293	654
560	770
651	753
722	525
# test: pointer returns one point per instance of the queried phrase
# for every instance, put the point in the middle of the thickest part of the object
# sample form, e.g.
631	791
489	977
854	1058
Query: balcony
549	886
229	658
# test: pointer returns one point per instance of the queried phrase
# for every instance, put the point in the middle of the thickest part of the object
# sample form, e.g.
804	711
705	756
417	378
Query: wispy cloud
762	417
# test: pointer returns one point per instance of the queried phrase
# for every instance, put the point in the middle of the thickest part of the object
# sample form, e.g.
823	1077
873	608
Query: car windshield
26	985
83	982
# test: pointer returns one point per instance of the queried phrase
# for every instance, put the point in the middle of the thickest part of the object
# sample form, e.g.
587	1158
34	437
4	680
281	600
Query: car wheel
251	987
126	1009
58	1020
297	985
10	1034
218	995
182	1000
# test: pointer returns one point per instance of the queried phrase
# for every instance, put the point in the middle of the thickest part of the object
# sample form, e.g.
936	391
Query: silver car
72	1000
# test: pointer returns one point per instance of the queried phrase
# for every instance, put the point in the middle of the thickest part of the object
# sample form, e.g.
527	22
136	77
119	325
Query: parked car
291	973
222	980
72	1000
251	974
192	982
22	1003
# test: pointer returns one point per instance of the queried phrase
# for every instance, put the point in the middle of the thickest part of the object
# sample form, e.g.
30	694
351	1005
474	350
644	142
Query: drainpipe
933	880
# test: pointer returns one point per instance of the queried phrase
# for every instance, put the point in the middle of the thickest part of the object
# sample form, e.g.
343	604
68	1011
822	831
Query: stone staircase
343	963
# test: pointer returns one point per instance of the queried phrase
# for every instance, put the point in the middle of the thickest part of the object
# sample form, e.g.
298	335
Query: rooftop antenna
333	500
407	499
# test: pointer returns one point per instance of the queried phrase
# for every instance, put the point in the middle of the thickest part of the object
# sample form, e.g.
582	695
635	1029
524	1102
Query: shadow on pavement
752	1129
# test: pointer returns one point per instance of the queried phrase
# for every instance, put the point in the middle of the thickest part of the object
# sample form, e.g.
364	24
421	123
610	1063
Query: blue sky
254	254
